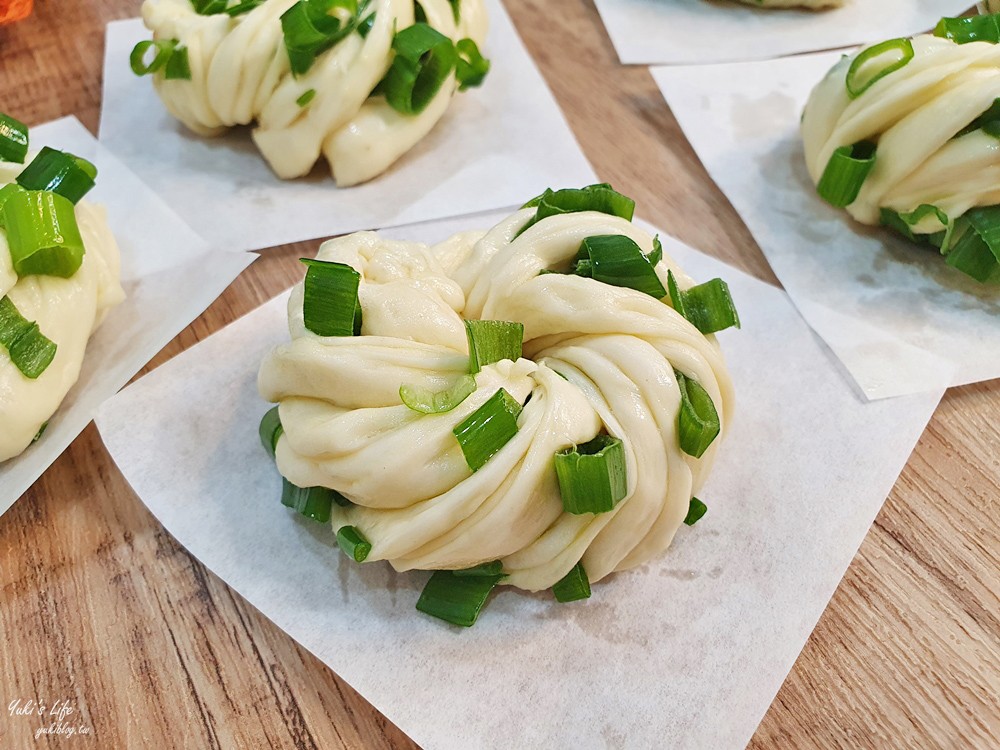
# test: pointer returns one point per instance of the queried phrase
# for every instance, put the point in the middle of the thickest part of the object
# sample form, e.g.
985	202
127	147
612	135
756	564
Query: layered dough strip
596	357
914	115
67	311
240	74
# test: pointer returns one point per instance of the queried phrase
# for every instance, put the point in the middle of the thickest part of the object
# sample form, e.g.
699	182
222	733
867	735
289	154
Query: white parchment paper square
497	146
161	255
899	319
686	652
707	31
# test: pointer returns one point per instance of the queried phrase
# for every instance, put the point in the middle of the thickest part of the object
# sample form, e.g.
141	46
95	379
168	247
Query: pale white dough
914	114
240	75
416	499
67	311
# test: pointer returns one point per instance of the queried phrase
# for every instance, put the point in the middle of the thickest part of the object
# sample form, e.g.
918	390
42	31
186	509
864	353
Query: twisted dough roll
813	4
914	115
416	499
240	74
67	311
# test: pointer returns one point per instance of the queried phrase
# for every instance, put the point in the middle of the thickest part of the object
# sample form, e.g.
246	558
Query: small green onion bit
330	298
493	568
426	401
972	29
41	431
600	197
696	509
177	68
574	586
270	430
311	502
873	64
13	139
213	7
42	233
457	599
976	249
29	350
708	307
488	429
592	476
492	341
59	172
309	29
306	97
657	254
456	10
845	173
353	543
470	67
164	49
424	59
617	260
698	422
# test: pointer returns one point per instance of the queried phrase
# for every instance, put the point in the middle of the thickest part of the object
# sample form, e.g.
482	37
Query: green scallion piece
60	172
972	29
875	63
365	25
5	192
600	197
330	304
988	121
698	422
845	173
592	476
696	509
306	97
709	306
492	341
270	430
426	401
424	59
213	7
312	502
456	9
41	431
488	429
164	49
29	350
615	259
309	29
494	568
353	543
178	68
13	139
573	586
976	251
657	254
42	233
456	599
471	67
904	222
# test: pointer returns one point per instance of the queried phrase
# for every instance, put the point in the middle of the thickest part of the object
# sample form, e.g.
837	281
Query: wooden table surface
103	609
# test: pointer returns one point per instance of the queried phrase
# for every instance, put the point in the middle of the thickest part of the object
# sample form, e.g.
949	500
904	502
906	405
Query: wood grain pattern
101	607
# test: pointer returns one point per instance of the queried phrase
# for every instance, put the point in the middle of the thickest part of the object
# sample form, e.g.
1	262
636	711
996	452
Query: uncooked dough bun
596	358
241	75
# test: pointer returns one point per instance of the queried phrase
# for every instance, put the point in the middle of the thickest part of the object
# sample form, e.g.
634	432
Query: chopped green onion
845	173
41	431
353	543
488	429
976	252
177	67
59	171
245	6
456	9
988	121
42	233
13	139
904	222
309	29
306	97
600	197
312	502
492	341
494	568
164	49
875	63
424	59
426	401
615	259
5	192
698	421
365	25
657	254
971	29
696	509
471	67
213	7
573	586
709	306
456	599
270	430
330	304
29	350
592	476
